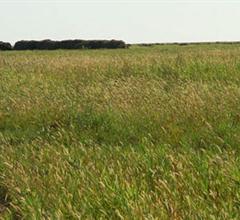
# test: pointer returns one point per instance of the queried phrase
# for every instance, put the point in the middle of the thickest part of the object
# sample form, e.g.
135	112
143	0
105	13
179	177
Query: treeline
89	44
65	44
187	43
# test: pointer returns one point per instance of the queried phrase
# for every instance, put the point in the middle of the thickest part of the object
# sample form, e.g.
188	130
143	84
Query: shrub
5	46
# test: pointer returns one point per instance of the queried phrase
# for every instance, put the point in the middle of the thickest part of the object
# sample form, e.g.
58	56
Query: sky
134	21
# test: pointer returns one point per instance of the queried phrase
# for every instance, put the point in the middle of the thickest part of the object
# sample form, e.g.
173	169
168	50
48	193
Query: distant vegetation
5	46
187	43
90	44
65	44
144	133
69	44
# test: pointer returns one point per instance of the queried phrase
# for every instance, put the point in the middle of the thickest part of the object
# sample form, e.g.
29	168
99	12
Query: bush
5	46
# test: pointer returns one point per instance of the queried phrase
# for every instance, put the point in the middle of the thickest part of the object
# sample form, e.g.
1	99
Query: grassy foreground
142	133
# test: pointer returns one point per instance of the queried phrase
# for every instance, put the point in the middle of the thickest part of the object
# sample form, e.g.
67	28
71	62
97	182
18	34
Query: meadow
138	133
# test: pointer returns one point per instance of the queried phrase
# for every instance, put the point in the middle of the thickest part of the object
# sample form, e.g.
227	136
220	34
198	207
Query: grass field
141	133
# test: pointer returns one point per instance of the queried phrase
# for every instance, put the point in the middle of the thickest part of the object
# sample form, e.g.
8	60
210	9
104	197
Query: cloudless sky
133	20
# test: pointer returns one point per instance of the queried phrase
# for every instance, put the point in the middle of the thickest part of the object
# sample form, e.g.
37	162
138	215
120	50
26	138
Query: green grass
141	133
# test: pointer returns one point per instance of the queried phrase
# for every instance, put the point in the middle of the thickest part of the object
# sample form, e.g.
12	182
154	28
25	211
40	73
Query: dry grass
144	133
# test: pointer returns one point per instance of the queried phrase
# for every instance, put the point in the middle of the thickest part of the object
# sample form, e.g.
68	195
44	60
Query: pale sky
133	21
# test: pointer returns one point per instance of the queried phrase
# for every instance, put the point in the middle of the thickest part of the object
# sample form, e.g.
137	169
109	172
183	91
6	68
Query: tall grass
143	133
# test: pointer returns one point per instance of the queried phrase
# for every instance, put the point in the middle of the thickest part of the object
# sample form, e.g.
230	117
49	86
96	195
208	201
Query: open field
140	133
